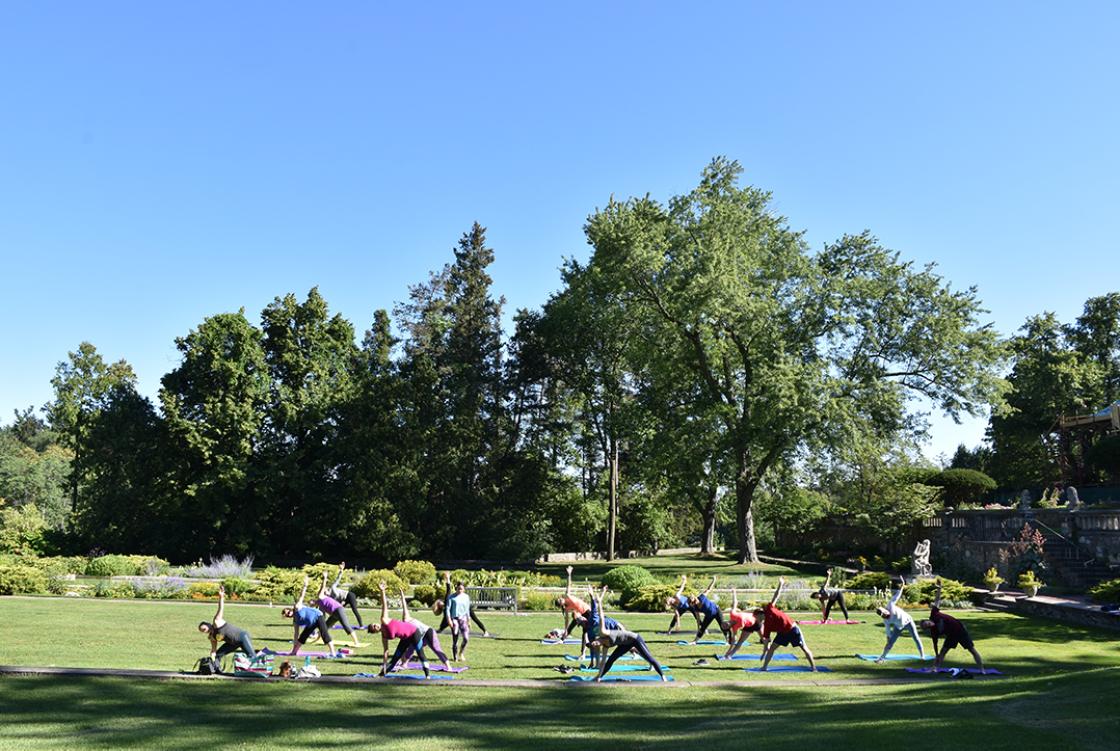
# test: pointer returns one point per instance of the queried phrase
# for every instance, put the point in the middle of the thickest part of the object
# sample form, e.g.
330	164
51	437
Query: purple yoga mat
435	666
307	653
953	671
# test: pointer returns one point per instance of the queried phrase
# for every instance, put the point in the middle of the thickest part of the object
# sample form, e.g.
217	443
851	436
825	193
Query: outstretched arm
937	596
218	617
568	589
710	587
897	595
384	601
680	589
778	591
322	586
734	599
827	578
404	606
302	594
338	578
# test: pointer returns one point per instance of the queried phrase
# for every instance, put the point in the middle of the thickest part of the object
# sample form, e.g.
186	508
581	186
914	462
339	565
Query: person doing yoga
895	621
742	621
406	633
308	619
428	636
778	630
570	604
441	606
953	631
623	641
233	638
829	596
593	624
459	613
334	611
680	605
345	596
711	612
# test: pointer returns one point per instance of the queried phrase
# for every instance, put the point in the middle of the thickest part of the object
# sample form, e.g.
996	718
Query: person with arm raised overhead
779	630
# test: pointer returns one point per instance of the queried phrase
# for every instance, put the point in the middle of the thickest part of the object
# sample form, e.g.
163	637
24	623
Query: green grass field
1060	690
700	569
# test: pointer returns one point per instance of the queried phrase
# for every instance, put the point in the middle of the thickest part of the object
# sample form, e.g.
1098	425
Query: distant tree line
702	371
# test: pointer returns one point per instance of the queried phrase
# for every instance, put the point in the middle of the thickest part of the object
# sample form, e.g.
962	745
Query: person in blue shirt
680	605
308	619
710	611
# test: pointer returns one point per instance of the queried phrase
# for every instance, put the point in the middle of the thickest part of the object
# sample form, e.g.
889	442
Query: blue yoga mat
576	658
413	676
756	658
702	641
953	671
619	678
899	658
789	669
625	669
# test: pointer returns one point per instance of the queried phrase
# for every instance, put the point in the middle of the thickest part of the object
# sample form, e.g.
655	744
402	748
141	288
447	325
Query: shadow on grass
1073	710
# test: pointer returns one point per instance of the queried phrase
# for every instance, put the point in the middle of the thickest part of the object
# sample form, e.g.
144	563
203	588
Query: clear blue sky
163	162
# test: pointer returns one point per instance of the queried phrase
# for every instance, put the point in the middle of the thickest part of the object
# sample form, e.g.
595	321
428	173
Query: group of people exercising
599	632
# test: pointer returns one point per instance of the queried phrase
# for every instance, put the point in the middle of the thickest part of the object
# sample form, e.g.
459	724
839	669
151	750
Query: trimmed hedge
650	598
1108	591
628	579
21	580
367	586
415	572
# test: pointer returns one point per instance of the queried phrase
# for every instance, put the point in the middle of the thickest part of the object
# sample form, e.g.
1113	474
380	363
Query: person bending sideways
742	621
333	610
406	634
680	605
593	624
569	604
306	620
623	641
440	606
828	596
779	630
895	621
232	637
345	596
710	611
428	636
941	626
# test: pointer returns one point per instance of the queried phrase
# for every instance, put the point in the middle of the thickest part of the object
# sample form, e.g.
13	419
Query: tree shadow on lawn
115	713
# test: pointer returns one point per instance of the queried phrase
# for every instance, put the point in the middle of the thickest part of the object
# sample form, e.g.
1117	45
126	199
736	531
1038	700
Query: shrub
869	580
1108	591
164	588
154	567
537	601
315	571
425	594
992	579
21	529
203	590
952	592
628	578
1027	580
18	580
415	572
111	565
650	598
960	485
114	590
237	587
367	586
221	568
279	584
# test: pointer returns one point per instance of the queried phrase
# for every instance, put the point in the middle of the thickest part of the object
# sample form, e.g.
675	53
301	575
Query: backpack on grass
208	666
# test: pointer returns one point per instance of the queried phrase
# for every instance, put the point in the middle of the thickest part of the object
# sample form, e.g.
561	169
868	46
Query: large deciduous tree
792	350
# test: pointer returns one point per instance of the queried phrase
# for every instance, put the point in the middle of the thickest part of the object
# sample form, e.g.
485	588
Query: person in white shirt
896	620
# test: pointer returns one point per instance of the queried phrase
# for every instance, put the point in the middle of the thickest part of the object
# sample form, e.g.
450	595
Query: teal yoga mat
702	641
789	669
625	669
899	658
619	679
756	658
576	658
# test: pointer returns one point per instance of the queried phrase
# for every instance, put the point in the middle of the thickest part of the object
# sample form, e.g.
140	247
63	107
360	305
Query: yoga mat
576	658
619	678
552	642
625	669
757	657
316	655
900	658
415	677
702	641
789	669
435	666
829	622
953	671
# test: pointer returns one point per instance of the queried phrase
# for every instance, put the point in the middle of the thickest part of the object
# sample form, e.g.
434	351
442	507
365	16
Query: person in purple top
406	633
305	620
334	610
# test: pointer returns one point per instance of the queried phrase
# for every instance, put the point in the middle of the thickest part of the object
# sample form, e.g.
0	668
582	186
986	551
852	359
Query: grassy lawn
1060	689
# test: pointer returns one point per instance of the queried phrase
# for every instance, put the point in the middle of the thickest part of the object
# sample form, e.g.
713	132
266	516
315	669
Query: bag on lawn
208	666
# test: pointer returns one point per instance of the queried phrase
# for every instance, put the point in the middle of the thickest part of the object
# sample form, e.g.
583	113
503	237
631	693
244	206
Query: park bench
493	598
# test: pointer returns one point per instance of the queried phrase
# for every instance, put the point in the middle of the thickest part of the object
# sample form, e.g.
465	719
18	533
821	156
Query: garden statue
1025	500
920	565
1072	501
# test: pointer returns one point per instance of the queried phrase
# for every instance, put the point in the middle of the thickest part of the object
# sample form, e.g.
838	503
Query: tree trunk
744	495
708	513
612	502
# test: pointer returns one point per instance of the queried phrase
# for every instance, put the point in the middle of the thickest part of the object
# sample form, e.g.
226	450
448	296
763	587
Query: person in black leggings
310	620
623	641
828	596
345	596
233	638
440	607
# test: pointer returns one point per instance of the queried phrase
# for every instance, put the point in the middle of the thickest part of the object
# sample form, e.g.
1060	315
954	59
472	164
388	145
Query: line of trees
699	361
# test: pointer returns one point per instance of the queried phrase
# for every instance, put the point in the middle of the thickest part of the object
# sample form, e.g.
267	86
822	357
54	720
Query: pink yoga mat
829	622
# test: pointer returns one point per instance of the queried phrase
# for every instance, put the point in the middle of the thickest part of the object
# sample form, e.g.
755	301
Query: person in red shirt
779	630
953	631
742	621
